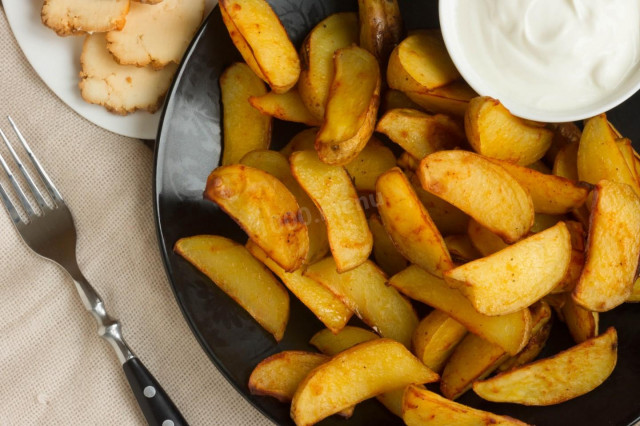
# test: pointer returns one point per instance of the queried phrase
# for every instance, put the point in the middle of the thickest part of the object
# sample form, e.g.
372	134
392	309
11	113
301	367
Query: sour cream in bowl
546	60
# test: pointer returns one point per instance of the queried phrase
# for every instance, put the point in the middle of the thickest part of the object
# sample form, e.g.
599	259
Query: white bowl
484	86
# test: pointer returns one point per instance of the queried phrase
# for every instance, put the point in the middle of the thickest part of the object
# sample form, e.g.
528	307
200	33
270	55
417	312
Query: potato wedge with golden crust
334	32
461	248
352	105
517	276
237	84
380	27
422	407
303	141
626	149
613	248
480	188
484	240
370	163
550	194
553	380
565	163
232	268
492	131
332	344
541	318
387	256
421	63
262	41
599	157
354	375
448	218
331	190
472	359
341	154
356	79
276	226
511	332
451	99
323	303
279	375
409	225
419	133
286	106
582	323
365	290
277	165
435	337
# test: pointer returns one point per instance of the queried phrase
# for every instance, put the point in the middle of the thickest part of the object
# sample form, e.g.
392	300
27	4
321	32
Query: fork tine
34	189
9	206
23	199
48	183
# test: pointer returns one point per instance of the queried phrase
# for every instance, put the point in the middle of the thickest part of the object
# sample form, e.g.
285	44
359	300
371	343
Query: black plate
187	149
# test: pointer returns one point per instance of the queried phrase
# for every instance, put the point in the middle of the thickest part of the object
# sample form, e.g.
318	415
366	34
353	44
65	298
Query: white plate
57	62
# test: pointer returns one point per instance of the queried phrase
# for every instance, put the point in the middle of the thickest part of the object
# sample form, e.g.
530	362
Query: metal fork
52	234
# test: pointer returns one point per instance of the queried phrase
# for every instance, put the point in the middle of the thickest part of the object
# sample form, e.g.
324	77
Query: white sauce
551	54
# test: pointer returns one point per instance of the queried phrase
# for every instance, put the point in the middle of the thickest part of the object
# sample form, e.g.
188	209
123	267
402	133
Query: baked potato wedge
276	226
237	84
582	323
262	41
286	106
635	293
331	190
419	133
356	80
550	194
409	225
492	131
334	32
435	337
279	375
331	344
565	163
323	303
613	248
421	63
385	253
277	165
480	188
562	377
380	27
541	318
518	276
472	359
599	156
370	163
354	375
421	407
511	332
236	272
365	291
452	99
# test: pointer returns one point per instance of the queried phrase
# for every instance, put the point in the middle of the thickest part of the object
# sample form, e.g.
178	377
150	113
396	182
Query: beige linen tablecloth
54	369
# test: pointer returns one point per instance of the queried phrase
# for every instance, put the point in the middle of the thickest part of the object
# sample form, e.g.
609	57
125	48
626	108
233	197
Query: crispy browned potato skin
380	27
276	62
277	228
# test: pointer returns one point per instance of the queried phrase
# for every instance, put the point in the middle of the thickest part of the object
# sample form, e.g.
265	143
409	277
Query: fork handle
157	407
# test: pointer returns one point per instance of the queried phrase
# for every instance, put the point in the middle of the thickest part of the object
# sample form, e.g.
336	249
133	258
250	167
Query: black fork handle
157	407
